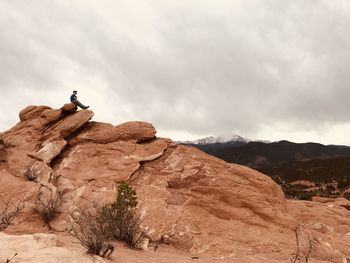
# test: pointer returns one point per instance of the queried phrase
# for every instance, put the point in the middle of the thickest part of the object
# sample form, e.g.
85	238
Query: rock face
188	199
39	248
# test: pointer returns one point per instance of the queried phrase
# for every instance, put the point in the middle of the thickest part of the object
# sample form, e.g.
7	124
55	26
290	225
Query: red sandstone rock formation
190	200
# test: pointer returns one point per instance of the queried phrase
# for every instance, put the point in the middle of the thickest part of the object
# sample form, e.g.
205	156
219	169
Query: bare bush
297	233
308	254
47	206
298	255
10	260
8	211
91	229
31	175
130	230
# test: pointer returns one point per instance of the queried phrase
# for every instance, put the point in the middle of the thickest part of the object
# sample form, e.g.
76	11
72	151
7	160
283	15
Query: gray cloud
194	67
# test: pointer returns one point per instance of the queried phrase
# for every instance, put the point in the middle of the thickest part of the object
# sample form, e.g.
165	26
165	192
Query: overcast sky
264	69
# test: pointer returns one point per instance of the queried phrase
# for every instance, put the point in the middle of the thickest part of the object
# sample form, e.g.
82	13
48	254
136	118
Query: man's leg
77	102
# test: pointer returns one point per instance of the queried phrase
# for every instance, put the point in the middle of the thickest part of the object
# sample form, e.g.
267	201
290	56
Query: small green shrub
123	218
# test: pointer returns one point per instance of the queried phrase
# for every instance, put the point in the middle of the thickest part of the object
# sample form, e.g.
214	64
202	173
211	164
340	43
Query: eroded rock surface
189	200
39	248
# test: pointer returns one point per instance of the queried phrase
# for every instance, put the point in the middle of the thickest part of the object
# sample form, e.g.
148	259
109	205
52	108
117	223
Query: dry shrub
47	205
8	211
31	175
95	226
124	227
10	260
91	229
299	256
130	230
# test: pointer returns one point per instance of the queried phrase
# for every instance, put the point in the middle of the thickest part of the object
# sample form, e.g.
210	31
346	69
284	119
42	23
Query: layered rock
188	199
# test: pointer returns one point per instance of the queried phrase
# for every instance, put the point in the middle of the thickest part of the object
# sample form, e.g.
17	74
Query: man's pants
78	103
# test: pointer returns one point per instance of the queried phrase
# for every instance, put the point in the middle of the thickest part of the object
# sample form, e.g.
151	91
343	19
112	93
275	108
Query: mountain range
326	167
224	138
257	154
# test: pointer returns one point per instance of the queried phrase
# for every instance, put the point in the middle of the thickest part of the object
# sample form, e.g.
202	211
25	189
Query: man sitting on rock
74	99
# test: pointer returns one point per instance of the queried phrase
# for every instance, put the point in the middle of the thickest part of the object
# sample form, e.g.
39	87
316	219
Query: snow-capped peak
225	138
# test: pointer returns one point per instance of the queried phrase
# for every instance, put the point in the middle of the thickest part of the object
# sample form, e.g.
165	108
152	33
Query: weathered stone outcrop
32	112
39	248
188	199
106	133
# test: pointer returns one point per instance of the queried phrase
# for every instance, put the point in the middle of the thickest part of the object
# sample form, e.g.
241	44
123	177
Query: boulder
69	107
106	133
329	226
18	162
49	150
68	125
51	115
32	112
